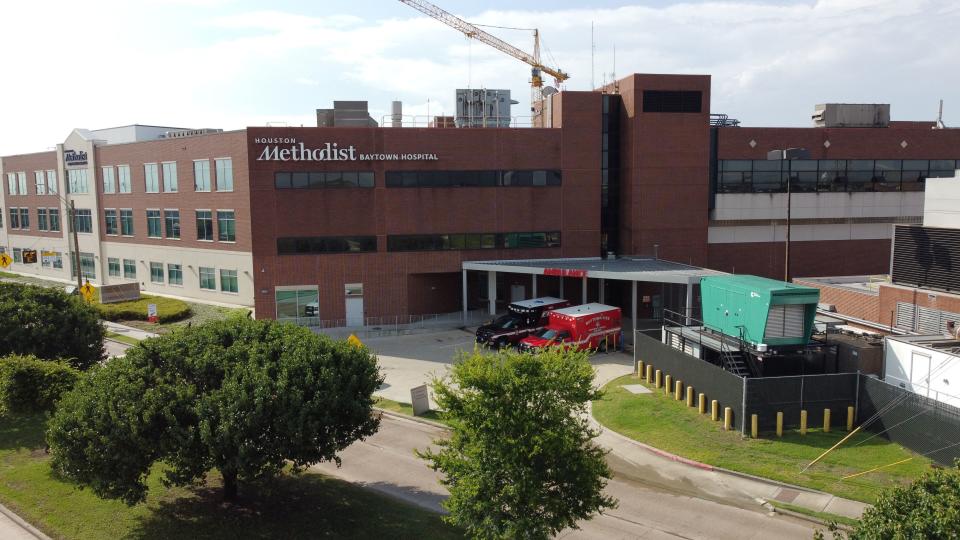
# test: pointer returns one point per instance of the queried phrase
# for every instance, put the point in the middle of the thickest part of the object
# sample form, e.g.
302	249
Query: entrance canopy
625	269
630	269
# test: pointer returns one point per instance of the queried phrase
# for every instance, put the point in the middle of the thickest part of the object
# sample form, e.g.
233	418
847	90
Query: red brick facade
848	301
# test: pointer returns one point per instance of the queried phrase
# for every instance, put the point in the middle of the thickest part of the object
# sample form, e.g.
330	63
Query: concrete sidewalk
13	527
708	481
130	331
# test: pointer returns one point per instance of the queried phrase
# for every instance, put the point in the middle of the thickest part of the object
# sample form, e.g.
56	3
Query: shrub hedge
168	309
29	384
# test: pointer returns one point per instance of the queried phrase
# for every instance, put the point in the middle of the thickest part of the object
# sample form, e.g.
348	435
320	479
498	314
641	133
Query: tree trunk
229	486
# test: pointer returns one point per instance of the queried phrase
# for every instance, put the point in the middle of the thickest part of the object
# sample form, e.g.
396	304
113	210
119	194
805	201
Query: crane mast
474	32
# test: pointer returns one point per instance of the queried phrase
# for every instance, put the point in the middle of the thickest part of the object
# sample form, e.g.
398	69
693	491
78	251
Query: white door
517	293
354	304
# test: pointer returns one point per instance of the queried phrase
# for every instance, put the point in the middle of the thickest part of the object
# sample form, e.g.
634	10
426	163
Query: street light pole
785	156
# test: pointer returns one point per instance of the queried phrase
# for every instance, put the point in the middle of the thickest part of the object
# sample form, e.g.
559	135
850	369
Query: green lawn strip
8	275
825	517
122	338
670	425
407	409
304	506
168	309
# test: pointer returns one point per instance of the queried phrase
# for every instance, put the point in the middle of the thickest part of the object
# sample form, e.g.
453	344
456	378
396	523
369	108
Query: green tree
242	396
28	384
520	462
49	324
927	509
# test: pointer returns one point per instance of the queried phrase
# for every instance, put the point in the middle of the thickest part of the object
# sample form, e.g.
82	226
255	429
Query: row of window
166	224
325	179
826	175
493	178
417	242
45	182
117	179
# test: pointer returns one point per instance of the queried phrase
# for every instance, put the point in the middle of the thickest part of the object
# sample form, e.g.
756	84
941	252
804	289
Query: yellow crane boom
476	33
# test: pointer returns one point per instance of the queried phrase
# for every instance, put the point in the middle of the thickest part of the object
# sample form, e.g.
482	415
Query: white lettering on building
273	151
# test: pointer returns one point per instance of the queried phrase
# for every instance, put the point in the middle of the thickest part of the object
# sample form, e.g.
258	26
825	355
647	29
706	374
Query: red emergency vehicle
589	326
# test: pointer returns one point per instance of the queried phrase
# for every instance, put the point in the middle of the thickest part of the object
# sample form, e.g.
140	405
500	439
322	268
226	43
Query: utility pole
784	156
76	244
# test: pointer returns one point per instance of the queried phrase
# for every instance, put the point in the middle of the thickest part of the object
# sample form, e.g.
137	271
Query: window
323	179
24	218
204	225
171	219
151	178
156	272
12	183
113	267
126	222
1	225
83	221
224	174
54	214
672	101
326	244
153	224
77	181
87	265
51	259
174	274
110	221
41	182
130	269
490	178
14	218
169	176
123	178
228	281
201	175
22	181
208	278
226	226
109	182
299	305
18	255
52	182
42	223
444	242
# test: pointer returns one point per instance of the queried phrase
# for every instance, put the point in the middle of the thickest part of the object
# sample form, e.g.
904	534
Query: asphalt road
647	507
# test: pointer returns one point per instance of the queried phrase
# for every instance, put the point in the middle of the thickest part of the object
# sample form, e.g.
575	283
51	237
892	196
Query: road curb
412	418
23	524
805	517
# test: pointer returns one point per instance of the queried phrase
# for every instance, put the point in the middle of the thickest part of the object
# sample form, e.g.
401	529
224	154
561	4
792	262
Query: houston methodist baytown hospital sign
288	149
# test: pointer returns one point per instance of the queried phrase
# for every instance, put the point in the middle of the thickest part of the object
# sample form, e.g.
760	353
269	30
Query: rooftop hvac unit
189	133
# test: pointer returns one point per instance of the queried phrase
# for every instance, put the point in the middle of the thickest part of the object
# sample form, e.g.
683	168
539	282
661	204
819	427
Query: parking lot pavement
409	361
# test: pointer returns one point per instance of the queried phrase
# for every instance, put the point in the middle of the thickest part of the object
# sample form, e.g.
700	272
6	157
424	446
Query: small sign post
152	313
5	260
420	397
87	291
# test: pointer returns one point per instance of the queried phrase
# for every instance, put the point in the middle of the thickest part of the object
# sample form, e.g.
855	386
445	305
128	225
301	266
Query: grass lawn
122	338
199	313
407	409
826	517
8	274
306	506
670	425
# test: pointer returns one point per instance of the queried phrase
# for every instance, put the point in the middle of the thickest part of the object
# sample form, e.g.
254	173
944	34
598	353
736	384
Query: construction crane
472	31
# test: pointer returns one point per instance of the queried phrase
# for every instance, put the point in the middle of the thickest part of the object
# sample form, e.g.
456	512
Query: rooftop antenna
940	124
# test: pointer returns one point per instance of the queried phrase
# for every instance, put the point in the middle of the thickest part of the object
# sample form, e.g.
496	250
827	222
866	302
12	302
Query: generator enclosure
764	312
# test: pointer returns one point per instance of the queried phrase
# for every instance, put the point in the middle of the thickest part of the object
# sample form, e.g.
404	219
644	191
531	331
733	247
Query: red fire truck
589	326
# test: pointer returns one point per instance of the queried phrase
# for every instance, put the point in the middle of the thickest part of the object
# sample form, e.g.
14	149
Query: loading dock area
630	283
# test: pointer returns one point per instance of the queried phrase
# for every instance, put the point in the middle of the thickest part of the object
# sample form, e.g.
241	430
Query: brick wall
860	304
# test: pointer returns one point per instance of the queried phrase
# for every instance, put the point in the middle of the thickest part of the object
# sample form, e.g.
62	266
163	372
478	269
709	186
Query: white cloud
216	64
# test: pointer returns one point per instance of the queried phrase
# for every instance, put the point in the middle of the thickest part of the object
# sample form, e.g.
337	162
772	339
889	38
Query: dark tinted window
441	242
672	101
323	179
326	244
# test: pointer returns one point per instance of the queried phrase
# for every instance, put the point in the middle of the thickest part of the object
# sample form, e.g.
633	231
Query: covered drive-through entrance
634	284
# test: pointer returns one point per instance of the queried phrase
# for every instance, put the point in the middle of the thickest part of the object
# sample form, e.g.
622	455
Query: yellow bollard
657	379
849	418
727	418
638	371
702	403
689	396
649	374
667	385
803	422
826	420
779	423
754	425
678	391
714	409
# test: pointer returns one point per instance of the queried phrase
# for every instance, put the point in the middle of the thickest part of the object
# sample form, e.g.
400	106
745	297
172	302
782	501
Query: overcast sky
231	64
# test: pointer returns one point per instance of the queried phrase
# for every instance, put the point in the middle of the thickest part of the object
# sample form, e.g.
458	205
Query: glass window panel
123	179
282	180
366	179
301	180
224	174
170	177
226	226
130	269
151	178
201	175
767	165
228	281
317	179
208	278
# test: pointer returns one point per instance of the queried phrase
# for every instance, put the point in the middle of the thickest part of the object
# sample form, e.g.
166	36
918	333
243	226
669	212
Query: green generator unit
769	312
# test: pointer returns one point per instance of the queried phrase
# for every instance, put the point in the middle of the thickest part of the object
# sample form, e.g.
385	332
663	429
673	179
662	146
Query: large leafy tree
520	462
49	324
241	396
